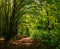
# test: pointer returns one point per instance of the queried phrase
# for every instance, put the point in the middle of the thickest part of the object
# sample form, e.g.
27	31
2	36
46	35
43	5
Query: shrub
48	39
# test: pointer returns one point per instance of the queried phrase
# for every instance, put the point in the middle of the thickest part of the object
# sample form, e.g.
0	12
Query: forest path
24	43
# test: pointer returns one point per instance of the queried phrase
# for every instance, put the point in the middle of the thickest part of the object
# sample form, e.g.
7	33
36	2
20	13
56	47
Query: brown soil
24	43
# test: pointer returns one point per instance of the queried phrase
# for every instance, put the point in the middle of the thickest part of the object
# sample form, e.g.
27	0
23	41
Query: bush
48	39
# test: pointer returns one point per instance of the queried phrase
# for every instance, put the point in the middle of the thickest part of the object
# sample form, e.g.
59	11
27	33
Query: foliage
43	24
11	11
38	19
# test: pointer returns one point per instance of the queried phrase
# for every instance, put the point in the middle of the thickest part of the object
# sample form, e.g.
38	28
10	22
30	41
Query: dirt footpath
24	43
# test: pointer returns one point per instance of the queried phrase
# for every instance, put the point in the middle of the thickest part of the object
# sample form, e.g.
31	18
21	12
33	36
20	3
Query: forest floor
24	43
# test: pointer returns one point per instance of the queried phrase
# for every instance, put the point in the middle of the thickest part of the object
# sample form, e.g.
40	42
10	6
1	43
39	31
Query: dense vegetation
37	19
